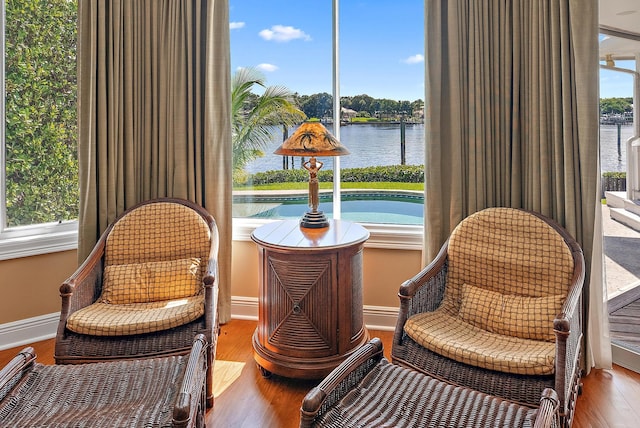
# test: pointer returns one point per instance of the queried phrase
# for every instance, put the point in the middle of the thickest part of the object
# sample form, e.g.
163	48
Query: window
39	163
380	84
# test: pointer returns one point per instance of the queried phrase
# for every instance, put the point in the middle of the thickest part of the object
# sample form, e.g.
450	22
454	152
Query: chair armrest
568	330
547	413
83	287
210	282
192	393
14	371
422	293
340	381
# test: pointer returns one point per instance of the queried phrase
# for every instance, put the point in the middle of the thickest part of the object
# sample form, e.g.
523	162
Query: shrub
614	174
393	173
614	181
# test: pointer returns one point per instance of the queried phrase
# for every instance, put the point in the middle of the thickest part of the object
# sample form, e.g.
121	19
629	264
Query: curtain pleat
512	120
154	116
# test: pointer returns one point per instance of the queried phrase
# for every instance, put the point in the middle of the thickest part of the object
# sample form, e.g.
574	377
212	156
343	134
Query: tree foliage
254	117
321	105
616	105
391	173
41	119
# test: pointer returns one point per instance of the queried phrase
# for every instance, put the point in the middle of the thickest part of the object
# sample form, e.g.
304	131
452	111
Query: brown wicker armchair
498	310
147	288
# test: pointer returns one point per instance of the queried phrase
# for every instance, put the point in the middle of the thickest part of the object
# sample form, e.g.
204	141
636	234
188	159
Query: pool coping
327	191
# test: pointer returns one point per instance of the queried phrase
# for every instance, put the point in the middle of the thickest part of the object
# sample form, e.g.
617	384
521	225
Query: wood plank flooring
244	399
624	319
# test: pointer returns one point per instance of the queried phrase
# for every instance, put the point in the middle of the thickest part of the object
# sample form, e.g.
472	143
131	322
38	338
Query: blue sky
381	47
616	84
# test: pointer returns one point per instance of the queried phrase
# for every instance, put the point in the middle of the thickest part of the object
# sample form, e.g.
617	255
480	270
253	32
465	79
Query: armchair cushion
104	319
517	316
455	338
152	281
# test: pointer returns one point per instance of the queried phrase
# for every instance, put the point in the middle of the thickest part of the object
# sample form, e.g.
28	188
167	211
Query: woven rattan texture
507	251
157	232
103	319
138	393
165	342
429	288
154	255
391	396
519	388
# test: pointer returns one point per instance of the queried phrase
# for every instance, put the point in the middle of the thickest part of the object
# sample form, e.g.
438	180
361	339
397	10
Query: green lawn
344	185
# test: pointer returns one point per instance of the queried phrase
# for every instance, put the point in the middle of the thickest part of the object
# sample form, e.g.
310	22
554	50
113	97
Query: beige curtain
512	120
154	113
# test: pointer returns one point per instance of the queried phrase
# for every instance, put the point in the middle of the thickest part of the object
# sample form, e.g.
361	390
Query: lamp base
314	219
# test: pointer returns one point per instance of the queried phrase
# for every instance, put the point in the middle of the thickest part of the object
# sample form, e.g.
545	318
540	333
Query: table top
288	233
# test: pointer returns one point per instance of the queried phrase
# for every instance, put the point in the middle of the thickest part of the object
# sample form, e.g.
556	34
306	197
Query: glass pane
382	86
288	47
382	114
619	161
41	166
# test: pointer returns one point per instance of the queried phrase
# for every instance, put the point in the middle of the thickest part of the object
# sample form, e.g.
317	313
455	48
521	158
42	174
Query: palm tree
255	118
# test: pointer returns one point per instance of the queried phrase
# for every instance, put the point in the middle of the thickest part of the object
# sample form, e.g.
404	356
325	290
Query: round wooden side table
310	297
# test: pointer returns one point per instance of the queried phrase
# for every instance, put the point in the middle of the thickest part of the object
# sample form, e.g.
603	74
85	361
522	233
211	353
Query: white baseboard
375	317
30	330
43	327
625	357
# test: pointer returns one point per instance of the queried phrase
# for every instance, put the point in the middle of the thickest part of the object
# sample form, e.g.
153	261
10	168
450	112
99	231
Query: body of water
612	159
379	145
369	145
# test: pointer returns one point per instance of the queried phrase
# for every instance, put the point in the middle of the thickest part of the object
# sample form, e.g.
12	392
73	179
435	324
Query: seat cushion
104	319
152	281
455	338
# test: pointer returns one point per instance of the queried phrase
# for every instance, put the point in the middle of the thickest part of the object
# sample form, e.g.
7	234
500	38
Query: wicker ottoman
368	391
155	392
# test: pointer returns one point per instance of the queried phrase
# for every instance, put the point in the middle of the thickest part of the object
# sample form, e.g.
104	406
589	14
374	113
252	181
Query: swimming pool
384	207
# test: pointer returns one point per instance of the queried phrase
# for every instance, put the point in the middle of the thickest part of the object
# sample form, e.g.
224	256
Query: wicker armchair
146	289
498	310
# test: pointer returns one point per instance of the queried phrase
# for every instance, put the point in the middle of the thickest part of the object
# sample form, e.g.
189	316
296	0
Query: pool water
376	207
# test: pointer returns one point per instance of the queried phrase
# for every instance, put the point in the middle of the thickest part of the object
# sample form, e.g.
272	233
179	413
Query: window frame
391	236
23	241
37	239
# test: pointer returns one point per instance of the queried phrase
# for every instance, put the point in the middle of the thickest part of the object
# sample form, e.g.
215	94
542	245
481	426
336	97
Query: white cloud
282	33
414	59
236	25
267	67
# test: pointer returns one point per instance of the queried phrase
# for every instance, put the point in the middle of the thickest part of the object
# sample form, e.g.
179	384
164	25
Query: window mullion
336	106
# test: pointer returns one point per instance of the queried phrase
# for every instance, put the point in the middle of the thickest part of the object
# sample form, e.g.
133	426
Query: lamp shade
311	139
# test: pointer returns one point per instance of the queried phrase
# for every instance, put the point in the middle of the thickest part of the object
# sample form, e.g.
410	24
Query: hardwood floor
244	399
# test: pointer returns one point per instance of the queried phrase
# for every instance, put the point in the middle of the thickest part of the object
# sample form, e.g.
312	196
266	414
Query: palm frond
253	127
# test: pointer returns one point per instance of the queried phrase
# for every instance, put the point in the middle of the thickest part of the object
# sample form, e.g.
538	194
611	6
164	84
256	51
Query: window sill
386	236
36	244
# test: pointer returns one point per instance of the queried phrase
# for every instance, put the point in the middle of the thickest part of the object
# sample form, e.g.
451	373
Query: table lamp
312	139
